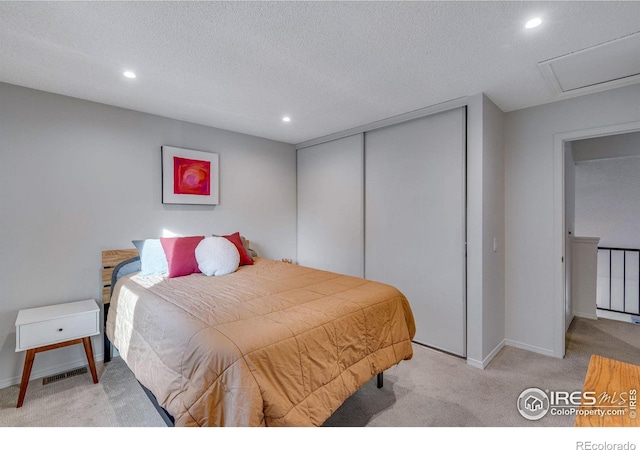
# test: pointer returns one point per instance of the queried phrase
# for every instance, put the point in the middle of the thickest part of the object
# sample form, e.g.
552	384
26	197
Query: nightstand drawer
57	330
50	325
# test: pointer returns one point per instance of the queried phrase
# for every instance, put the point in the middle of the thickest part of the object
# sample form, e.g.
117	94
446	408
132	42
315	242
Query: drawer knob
59	329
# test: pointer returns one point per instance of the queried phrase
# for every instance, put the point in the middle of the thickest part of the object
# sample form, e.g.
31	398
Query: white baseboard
631	318
531	348
485	362
585	315
568	322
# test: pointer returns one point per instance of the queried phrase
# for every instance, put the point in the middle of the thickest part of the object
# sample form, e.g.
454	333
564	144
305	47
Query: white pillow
217	256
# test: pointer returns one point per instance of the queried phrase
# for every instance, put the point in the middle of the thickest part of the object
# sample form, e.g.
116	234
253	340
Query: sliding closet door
331	206
415	221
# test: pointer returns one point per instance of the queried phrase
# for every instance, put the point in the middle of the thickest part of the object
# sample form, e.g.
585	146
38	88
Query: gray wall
78	177
606	147
485	221
569	227
531	255
493	310
607	206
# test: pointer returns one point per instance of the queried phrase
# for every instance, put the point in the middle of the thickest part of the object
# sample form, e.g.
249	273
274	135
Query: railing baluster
610	282
624	279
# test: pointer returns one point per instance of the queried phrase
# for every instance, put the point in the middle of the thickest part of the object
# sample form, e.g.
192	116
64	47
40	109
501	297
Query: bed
271	344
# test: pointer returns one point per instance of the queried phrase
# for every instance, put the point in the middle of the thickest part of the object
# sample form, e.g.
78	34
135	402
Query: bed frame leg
107	350
107	343
380	379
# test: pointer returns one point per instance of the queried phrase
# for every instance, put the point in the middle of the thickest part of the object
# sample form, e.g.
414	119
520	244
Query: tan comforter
272	344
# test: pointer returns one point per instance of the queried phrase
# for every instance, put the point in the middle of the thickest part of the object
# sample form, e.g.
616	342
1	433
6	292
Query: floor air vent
61	376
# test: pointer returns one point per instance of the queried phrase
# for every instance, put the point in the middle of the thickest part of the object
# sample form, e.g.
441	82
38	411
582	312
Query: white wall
569	227
493	227
78	177
532	258
475	237
584	276
485	221
606	147
607	206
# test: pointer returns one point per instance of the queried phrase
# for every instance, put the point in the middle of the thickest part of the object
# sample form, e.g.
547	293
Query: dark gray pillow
122	269
252	253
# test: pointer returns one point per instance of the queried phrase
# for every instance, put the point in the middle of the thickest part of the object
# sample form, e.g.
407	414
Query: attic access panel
611	64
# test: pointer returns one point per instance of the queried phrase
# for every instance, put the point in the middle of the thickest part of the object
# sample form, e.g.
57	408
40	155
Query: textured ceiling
331	66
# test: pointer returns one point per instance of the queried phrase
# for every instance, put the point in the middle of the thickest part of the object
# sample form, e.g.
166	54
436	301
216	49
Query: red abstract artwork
191	176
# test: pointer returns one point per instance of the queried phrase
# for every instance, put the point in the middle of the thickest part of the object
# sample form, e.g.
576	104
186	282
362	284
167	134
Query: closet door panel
415	221
331	206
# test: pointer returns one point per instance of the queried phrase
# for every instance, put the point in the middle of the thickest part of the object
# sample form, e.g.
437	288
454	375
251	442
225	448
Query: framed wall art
189	177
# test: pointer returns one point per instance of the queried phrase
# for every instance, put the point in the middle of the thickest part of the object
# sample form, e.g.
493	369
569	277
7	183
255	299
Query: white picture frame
189	177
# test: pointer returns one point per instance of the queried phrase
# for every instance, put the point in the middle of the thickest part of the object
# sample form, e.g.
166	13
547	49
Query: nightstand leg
92	364
26	373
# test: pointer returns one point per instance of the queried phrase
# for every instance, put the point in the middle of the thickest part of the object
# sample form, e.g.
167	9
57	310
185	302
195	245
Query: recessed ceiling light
129	74
286	119
533	22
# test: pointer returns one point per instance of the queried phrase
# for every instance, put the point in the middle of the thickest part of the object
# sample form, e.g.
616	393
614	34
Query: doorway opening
565	219
602	176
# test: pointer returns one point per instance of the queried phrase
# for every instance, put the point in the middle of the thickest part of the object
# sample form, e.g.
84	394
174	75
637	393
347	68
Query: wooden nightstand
49	327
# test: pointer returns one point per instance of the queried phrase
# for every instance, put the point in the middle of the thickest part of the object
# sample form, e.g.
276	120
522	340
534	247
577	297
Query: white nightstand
49	327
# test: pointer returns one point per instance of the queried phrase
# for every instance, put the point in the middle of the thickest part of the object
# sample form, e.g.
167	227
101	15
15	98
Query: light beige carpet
431	390
117	400
439	390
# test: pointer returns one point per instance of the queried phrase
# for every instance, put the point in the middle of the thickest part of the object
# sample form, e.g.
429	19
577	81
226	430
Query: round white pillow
217	256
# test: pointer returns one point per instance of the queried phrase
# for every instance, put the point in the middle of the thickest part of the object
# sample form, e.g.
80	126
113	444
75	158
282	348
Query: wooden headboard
110	259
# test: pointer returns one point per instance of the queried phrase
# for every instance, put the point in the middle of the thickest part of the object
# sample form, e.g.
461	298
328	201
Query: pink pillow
181	255
245	258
